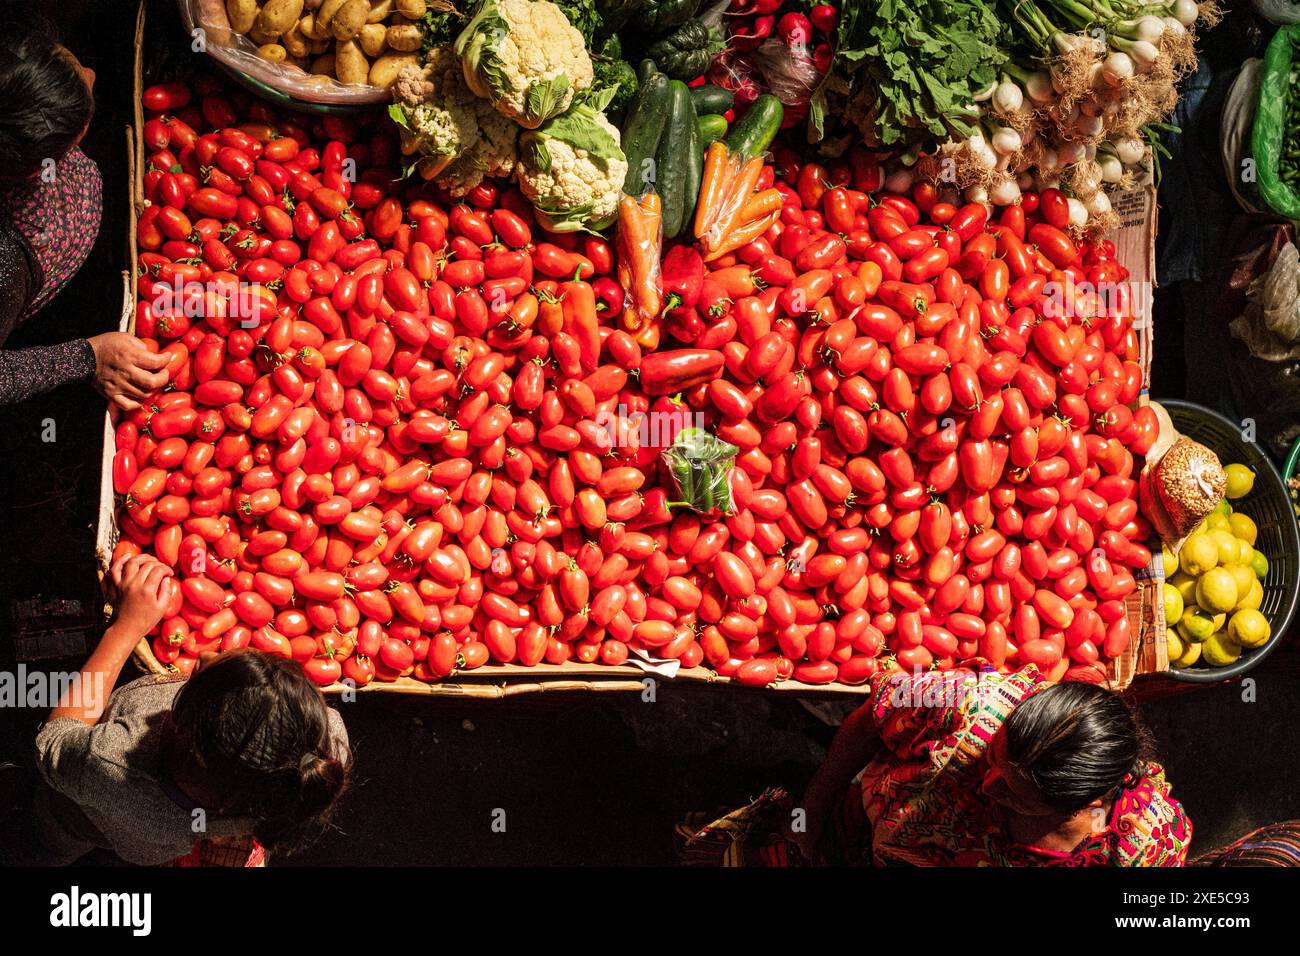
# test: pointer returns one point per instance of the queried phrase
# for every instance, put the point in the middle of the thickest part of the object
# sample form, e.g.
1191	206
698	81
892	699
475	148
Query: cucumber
646	70
712	126
673	159
694	172
642	130
754	132
711	99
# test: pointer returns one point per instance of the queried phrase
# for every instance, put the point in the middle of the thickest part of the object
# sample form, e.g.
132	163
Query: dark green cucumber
712	126
642	129
711	99
754	132
646	70
672	161
694	173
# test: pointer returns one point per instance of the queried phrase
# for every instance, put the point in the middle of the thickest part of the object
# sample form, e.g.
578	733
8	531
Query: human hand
125	370
808	840
144	586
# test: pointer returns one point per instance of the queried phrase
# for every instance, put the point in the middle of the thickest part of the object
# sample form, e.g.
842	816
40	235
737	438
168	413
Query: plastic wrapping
639	240
1237	119
1181	488
1272	133
1278	11
700	465
237	53
791	76
1270	325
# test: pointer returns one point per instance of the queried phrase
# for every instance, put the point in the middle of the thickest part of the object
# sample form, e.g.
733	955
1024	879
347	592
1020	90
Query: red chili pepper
581	322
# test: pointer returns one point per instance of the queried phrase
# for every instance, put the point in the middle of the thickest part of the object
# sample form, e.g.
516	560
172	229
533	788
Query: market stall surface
547	779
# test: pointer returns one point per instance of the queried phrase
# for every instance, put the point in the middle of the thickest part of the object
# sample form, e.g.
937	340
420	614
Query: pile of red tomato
403	438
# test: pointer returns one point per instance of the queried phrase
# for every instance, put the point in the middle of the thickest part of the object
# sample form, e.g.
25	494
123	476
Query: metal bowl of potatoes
319	56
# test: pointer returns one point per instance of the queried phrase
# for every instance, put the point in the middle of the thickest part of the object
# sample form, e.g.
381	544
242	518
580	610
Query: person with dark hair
966	768
51	200
244	752
979	769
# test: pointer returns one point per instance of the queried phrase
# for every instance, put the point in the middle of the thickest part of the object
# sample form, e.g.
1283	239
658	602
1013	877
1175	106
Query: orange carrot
743	235
761	205
639	243
738	193
712	186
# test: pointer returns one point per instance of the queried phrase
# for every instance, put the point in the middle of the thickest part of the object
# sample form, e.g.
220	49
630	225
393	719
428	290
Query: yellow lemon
1218	522
1199	553
1196	625
1168	560
1244	553
1173	602
1185	585
1253	599
1260	564
1245	578
1220	650
1226	544
1222	508
1216	590
1175	644
1243	526
1190	655
1249	628
1240	480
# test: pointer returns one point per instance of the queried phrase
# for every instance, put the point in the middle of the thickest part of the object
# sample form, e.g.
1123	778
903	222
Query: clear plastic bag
701	466
640	240
790	75
207	20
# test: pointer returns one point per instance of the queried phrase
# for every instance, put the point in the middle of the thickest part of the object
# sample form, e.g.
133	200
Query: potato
405	39
372	39
325	14
307	27
260	38
295	42
242	14
379	11
317	47
301	62
272	52
323	65
350	64
386	68
411	9
347	23
313	4
278	15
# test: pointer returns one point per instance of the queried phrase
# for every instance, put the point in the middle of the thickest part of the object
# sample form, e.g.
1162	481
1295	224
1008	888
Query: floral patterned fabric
923	797
60	220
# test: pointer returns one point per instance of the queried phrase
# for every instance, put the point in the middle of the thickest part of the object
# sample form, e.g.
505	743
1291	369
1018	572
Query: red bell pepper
683	277
665	373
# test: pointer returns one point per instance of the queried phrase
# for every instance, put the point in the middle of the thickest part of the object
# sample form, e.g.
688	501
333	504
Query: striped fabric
1275	845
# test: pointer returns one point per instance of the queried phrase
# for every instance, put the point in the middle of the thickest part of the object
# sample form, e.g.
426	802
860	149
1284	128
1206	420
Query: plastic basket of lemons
1231	591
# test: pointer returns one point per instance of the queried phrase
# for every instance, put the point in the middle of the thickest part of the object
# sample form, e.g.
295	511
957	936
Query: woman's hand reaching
125	370
144	586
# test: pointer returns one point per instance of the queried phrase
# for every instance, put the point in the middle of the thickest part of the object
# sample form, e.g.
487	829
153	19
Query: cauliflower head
492	154
525	57
461	138
572	170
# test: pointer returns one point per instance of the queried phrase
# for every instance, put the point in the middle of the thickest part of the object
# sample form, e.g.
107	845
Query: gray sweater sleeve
28	372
